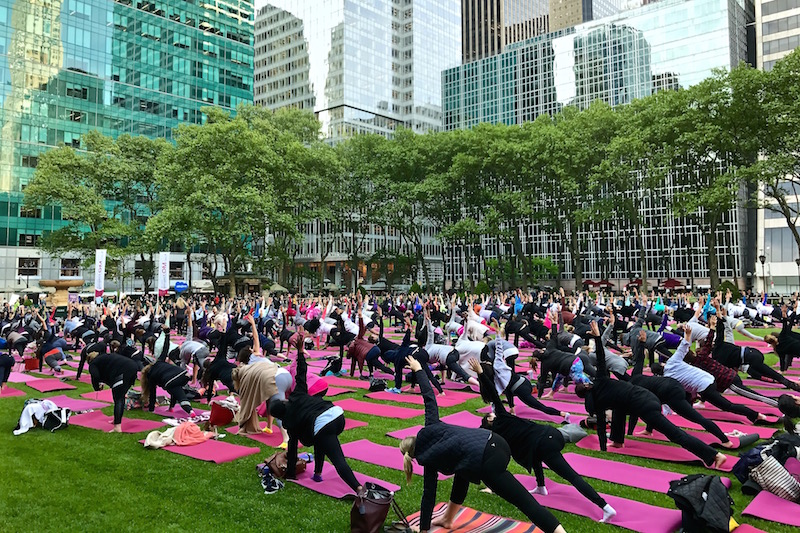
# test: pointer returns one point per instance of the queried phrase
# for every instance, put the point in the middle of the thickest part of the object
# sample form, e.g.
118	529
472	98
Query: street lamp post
763	259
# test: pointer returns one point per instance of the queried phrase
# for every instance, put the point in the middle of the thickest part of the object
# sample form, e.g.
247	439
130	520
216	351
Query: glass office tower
132	66
361	66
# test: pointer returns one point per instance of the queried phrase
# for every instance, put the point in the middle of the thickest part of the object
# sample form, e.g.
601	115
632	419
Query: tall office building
777	30
568	13
361	66
488	26
661	46
68	67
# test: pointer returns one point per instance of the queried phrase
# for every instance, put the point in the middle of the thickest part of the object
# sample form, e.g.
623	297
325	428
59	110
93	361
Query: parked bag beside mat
278	463
704	502
370	509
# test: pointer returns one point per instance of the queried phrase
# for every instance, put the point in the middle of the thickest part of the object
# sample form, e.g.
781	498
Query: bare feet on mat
116	429
644	433
617	444
719	460
442	522
727	445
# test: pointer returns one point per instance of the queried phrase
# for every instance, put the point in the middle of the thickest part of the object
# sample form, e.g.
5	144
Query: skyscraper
777	30
568	13
488	26
361	66
127	66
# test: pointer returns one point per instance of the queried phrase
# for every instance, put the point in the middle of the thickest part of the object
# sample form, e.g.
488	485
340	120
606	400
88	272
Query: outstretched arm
431	408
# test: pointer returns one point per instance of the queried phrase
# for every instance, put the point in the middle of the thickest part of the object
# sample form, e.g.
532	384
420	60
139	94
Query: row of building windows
780	25
781	45
778	6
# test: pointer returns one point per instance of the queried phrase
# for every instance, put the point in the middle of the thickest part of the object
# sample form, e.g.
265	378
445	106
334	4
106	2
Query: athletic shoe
269	483
394	390
329	373
364	378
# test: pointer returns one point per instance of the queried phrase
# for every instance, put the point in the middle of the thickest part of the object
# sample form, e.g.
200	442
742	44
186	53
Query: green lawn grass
84	480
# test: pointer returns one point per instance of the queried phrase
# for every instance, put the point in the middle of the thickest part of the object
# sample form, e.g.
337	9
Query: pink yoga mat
64	373
104	395
450	398
767	506
725	416
213	450
49	385
762	384
650	450
388	411
633	515
378	454
704	436
747	528
11	392
335	391
462	418
103	422
763	432
20	377
274	439
523	411
76	405
177	412
332	485
755	405
347	382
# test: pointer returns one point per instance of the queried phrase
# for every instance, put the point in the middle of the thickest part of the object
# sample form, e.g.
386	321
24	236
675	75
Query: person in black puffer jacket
472	455
312	421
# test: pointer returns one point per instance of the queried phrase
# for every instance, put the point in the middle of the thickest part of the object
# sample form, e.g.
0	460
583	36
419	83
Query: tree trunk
711	250
189	266
232	286
642	257
577	260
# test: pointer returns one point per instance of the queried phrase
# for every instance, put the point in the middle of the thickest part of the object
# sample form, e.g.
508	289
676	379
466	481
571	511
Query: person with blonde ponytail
472	455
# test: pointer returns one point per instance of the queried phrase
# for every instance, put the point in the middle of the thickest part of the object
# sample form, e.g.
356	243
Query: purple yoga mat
450	398
767	506
213	450
650	450
11	392
462	418
104	395
49	385
388	411
378	454
633	515
332	485
103	422
74	404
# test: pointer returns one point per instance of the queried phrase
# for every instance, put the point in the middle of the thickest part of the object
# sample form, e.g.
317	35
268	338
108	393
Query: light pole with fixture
763	259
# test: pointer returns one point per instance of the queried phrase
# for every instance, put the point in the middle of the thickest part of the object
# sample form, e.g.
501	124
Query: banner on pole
163	273
99	272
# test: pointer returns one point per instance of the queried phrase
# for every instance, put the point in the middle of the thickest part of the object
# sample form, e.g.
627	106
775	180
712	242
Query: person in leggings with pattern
117	372
312	421
532	444
472	455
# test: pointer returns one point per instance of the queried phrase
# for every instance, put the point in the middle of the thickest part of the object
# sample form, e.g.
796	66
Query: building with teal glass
139	67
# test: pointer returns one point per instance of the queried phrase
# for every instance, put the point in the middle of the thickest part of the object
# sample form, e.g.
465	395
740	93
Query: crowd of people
627	356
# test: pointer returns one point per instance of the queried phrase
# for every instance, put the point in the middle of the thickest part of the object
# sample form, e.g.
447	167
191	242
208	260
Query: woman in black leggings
532	444
170	377
473	455
117	372
6	364
312	421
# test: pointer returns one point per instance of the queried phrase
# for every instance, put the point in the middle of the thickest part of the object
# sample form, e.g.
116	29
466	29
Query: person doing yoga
472	455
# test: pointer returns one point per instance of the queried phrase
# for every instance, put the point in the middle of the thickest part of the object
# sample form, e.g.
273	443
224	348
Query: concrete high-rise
568	13
488	26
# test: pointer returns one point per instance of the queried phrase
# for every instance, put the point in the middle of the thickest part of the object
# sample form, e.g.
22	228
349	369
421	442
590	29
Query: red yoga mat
332	485
213	451
103	422
11	392
49	385
378	454
767	506
633	515
650	450
450	399
388	411
74	404
469	520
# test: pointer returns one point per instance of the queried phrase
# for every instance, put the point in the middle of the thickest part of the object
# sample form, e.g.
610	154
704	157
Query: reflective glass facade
660	46
361	65
131	66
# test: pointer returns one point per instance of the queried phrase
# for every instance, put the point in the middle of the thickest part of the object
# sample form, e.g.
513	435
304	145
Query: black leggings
177	394
421	356
118	391
452	365
6	364
759	369
326	442
495	474
650	412
525	334
549	453
374	360
712	396
681	406
524	392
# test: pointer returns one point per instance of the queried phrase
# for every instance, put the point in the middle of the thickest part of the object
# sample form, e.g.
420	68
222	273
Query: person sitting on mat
117	372
532	444
623	398
313	421
472	455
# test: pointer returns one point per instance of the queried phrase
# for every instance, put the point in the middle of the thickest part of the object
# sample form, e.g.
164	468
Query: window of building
70	268
28	239
30	212
176	270
30	161
28	266
75	116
